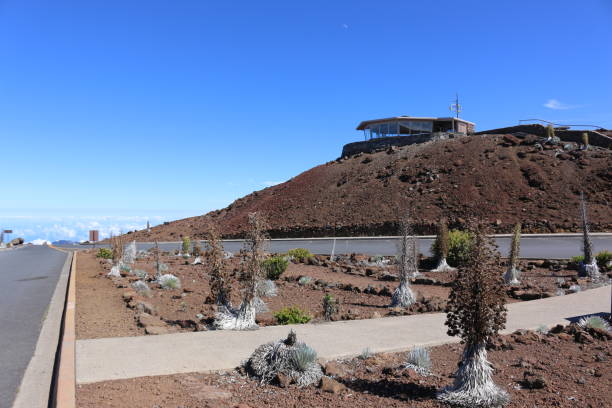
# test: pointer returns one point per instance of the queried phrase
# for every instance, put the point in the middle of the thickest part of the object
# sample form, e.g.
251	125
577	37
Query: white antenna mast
455	107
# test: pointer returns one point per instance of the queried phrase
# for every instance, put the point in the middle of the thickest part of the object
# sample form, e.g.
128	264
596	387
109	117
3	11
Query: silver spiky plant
141	274
511	277
473	386
589	266
142	288
418	359
266	288
407	257
115	271
294	359
169	281
594	322
228	318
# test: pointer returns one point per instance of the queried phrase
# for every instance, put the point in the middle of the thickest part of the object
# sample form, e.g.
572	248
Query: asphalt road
532	246
29	276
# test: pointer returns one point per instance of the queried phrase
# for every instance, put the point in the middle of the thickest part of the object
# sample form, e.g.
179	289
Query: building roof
365	123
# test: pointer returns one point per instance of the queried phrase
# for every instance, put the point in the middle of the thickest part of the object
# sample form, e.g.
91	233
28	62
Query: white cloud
74	228
39	242
345	26
556	105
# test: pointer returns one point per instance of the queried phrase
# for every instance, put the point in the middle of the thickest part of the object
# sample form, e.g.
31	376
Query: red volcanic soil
502	179
567	368
111	307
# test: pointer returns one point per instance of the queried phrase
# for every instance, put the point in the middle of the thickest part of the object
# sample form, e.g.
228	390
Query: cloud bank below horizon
73	228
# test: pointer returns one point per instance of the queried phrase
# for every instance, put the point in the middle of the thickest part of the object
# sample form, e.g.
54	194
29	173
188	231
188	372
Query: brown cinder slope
502	179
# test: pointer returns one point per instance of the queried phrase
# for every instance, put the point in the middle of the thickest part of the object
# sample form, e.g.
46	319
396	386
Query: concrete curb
65	392
34	391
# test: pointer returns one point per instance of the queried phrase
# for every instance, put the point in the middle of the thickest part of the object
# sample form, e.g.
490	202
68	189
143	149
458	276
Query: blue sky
117	112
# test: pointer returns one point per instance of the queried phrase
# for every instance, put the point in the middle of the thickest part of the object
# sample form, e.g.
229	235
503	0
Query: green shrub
603	258
274	267
577	259
459	243
105	253
299	254
292	315
186	246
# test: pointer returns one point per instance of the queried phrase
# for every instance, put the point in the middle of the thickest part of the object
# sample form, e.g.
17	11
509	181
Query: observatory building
413	126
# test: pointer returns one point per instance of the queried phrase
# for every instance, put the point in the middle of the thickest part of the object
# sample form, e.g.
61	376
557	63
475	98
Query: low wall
381	143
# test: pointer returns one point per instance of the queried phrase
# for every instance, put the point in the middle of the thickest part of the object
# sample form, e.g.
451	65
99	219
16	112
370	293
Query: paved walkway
129	357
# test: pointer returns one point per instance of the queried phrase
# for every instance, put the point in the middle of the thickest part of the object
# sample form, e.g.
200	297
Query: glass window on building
411	127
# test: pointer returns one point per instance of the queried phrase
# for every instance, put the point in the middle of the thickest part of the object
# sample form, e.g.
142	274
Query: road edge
64	391
37	379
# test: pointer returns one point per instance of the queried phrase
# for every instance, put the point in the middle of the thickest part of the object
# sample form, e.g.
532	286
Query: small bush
299	254
303	356
292	315
577	259
542	329
169	281
603	258
104	253
125	268
274	267
459	243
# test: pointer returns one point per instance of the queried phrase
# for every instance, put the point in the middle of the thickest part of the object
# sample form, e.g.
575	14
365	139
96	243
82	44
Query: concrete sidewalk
129	357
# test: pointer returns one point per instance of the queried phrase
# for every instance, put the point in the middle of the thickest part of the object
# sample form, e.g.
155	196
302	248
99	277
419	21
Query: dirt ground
111	308
100	310
360	195
574	369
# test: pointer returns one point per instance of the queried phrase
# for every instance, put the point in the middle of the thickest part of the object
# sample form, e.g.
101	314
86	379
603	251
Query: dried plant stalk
476	311
220	284
512	274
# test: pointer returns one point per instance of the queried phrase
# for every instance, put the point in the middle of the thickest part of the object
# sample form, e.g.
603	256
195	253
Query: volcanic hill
502	179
